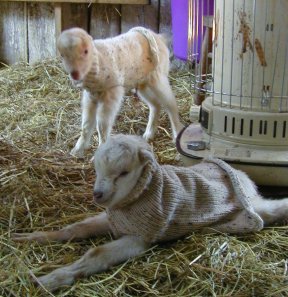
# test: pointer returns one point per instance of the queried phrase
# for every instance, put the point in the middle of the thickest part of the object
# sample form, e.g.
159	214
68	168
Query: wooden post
41	31
13	32
58	22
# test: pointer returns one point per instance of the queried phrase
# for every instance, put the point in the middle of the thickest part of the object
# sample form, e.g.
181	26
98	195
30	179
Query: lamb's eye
123	173
86	52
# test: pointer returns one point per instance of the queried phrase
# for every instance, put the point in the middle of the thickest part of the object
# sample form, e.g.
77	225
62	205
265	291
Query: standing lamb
107	67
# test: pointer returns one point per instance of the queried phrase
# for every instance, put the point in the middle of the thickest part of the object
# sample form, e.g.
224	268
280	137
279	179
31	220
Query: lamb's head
119	163
76	48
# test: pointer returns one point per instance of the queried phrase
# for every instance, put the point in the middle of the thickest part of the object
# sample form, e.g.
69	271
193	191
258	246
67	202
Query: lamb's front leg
96	260
89	107
109	105
89	227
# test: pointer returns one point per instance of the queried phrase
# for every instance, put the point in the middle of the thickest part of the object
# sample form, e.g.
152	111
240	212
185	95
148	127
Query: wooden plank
165	17
131	16
105	21
151	15
140	15
75	15
13	43
142	2
41	31
58	19
165	22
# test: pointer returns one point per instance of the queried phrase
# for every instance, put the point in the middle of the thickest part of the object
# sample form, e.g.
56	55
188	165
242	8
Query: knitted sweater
169	202
125	60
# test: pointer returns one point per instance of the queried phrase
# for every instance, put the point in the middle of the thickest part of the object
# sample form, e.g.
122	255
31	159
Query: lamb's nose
75	75
97	195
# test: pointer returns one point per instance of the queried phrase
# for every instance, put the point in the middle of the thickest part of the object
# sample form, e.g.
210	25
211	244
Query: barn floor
42	185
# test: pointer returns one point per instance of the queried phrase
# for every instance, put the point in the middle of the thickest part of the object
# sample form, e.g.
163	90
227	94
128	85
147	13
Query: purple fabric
179	10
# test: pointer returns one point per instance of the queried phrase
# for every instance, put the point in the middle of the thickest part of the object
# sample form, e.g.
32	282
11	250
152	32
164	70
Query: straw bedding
43	187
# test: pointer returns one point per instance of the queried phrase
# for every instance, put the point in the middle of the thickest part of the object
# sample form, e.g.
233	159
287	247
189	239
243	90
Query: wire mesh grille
240	52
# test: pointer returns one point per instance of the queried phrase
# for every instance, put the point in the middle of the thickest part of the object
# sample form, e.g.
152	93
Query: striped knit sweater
169	202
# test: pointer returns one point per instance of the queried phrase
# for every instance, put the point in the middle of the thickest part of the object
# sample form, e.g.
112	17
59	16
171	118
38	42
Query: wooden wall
28	30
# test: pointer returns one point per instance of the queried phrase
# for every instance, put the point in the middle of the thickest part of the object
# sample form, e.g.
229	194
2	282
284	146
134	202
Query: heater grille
247	127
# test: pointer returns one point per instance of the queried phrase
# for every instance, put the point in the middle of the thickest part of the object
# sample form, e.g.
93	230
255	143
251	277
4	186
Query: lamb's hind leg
271	210
147	96
164	96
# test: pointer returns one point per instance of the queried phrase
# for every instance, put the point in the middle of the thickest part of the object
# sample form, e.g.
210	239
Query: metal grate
244	64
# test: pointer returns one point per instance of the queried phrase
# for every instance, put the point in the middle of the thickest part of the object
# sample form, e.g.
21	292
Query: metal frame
140	2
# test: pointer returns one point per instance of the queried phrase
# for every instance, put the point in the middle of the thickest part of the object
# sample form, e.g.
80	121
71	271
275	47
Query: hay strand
44	188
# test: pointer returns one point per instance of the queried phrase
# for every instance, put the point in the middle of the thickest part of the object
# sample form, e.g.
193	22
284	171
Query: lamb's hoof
148	136
78	153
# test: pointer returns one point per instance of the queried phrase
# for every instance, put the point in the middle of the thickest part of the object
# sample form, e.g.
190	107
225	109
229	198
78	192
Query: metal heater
242	75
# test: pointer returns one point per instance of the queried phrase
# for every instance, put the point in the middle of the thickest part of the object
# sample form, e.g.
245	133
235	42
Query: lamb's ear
146	155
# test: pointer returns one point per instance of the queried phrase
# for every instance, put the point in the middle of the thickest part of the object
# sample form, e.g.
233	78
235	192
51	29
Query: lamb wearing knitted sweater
148	203
106	68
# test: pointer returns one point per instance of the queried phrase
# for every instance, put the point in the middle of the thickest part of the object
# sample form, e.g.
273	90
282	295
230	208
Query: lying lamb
106	68
147	203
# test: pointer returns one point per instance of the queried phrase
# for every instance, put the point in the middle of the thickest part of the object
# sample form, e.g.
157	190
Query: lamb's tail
150	36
